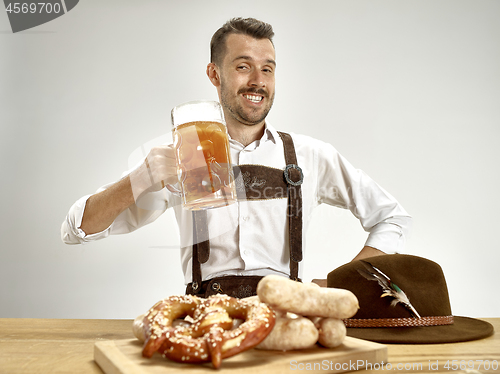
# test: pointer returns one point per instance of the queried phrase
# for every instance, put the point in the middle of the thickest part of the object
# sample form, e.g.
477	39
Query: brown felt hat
423	282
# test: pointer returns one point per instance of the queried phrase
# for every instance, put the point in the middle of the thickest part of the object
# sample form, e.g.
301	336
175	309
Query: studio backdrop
407	91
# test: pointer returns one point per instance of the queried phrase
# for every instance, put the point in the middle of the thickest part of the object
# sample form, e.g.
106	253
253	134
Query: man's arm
379	213
102	208
364	253
368	252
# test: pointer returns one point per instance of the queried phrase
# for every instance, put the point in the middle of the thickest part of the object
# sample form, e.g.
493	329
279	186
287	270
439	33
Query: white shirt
250	237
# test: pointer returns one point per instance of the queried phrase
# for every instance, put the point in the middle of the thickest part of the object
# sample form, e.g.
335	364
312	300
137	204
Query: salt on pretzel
306	299
209	337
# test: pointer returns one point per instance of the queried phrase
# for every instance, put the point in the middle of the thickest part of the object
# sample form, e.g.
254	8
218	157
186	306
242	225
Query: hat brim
463	329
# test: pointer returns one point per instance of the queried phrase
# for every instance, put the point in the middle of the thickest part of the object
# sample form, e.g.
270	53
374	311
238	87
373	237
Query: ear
213	74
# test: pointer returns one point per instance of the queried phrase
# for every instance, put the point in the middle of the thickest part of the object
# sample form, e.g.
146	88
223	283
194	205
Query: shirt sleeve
147	209
379	213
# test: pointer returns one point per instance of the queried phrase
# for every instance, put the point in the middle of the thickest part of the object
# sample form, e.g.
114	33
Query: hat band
399	322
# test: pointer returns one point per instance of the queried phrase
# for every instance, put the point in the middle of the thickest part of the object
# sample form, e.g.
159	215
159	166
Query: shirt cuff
71	233
389	237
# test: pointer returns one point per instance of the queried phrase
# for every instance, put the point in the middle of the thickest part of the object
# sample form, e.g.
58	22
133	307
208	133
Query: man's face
247	79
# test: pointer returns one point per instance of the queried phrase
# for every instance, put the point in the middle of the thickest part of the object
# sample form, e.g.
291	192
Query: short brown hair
247	26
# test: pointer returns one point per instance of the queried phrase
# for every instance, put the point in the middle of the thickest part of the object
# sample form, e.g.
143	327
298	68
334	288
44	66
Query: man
254	237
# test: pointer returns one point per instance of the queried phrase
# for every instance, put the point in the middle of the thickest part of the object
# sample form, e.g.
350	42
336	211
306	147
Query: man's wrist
368	252
140	180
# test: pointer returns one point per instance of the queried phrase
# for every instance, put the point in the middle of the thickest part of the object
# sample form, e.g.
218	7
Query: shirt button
246	218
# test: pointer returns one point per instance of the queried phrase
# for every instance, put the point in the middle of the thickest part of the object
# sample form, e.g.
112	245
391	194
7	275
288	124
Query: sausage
306	299
290	332
138	328
332	331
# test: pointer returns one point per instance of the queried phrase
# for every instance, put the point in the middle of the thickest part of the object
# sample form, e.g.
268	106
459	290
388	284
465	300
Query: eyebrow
244	57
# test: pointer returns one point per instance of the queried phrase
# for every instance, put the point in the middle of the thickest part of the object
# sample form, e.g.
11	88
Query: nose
257	79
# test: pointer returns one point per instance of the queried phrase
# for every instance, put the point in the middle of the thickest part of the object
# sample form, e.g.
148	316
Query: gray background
408	91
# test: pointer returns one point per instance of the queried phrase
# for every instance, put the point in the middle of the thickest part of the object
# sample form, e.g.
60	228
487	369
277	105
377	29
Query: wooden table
67	346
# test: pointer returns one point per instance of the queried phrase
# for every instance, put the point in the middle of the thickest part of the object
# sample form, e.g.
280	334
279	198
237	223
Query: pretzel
209	337
306	299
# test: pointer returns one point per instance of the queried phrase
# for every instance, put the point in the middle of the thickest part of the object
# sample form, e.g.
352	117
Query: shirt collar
270	134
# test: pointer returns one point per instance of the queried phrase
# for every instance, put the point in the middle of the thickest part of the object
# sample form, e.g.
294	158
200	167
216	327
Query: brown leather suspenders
258	182
201	248
294	178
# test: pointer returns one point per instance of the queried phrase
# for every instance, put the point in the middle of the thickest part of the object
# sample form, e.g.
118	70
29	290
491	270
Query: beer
204	165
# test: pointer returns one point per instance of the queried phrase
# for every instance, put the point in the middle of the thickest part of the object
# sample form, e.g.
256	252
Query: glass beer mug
202	156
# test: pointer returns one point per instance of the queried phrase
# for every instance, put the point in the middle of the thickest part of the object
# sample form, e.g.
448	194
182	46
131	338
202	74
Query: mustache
257	91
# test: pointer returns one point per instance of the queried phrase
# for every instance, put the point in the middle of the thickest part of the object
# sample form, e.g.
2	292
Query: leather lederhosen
259	183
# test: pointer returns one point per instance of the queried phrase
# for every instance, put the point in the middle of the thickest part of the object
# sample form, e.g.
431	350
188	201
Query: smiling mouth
253	98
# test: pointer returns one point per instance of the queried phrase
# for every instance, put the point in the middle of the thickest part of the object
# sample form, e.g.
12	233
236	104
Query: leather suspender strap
294	177
201	246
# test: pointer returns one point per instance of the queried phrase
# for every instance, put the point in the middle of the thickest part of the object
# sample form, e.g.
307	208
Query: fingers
162	166
157	170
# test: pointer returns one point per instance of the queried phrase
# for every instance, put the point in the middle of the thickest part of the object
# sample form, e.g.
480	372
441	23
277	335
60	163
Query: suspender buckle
287	175
216	287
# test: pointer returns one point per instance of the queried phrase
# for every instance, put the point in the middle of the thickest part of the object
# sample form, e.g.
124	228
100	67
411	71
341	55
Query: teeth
254	99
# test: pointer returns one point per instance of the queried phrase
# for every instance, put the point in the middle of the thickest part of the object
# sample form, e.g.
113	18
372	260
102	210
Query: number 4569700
33	8
471	364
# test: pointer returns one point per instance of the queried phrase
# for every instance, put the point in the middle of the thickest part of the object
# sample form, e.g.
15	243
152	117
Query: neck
245	134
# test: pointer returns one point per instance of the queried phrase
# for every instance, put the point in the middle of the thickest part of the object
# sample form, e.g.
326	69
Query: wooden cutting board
124	357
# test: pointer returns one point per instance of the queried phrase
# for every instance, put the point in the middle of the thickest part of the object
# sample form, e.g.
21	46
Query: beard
246	116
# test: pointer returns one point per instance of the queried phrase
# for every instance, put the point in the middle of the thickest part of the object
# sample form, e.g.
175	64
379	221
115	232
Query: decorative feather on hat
389	288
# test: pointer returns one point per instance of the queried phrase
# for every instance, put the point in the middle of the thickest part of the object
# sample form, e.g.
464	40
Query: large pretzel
210	336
